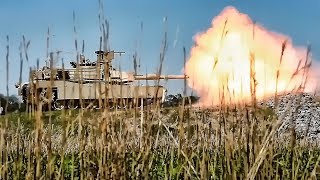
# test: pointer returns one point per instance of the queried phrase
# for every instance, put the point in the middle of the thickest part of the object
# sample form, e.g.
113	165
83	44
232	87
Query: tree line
13	103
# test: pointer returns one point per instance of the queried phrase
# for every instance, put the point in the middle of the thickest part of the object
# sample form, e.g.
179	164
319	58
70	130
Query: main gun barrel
156	77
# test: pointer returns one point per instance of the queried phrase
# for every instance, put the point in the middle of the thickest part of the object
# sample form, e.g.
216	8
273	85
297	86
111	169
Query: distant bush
13	104
176	100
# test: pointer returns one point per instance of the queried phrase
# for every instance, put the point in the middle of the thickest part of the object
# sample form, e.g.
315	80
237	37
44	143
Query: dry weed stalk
233	142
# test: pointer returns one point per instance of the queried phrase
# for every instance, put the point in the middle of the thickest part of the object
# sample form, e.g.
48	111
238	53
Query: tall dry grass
152	142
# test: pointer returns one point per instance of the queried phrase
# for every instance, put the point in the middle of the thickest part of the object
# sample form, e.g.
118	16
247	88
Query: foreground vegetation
153	143
182	142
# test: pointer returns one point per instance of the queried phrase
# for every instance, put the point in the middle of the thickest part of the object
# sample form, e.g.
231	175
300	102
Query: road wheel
58	105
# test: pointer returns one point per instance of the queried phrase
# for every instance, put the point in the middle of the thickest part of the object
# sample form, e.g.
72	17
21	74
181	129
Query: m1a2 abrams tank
90	84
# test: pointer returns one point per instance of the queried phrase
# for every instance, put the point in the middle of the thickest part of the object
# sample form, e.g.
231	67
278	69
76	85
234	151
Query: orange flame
232	53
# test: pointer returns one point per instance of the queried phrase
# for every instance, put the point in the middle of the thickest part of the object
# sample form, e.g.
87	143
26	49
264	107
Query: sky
137	26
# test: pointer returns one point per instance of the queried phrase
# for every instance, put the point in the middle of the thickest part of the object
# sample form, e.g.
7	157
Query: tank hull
82	94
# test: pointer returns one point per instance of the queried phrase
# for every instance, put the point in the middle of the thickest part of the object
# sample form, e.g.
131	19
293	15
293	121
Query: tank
87	84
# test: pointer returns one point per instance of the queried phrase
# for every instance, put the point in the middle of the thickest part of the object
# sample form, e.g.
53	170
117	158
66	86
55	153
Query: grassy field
183	142
156	143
